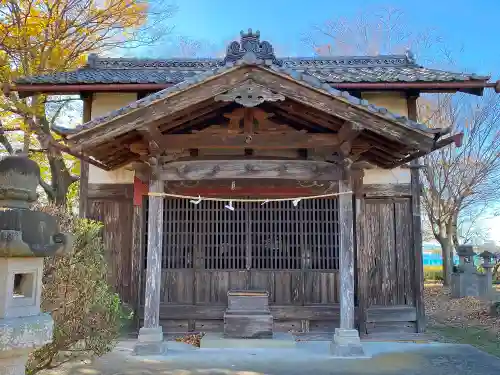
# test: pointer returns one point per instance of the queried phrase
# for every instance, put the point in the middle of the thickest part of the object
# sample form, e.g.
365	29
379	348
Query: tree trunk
61	179
26	142
447	252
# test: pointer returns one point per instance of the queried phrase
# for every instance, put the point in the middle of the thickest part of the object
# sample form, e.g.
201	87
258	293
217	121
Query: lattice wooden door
290	251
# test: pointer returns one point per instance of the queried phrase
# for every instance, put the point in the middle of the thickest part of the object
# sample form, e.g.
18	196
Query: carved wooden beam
303	170
347	134
241	141
152	135
249	94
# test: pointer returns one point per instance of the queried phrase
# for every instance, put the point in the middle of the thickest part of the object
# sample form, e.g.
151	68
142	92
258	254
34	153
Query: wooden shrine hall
252	126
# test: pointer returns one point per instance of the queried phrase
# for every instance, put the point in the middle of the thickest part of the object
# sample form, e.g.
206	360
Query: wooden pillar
151	334
84	166
346	341
137	259
155	245
360	227
346	256
416	210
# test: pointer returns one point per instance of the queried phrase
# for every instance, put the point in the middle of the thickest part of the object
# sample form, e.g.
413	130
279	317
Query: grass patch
433	268
475	336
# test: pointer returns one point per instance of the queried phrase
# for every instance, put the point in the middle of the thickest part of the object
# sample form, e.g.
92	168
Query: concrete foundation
218	341
347	344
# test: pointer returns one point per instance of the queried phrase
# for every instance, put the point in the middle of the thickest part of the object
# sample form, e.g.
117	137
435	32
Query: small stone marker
248	315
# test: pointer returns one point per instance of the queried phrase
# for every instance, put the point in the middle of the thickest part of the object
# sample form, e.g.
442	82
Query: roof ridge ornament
250	43
410	56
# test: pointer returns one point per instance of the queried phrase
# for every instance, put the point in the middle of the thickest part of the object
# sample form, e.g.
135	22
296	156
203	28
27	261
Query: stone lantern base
18	337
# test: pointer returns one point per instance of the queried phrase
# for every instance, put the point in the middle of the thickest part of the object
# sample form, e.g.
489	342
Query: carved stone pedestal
248	315
346	344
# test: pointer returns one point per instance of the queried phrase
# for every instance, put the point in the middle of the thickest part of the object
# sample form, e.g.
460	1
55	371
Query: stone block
20	286
250	326
248	315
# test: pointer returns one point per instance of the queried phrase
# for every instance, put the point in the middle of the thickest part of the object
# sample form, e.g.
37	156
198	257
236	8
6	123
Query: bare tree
461	184
377	31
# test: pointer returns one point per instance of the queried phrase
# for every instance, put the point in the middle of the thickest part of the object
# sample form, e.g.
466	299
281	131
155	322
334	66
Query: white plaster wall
103	103
395	102
387	176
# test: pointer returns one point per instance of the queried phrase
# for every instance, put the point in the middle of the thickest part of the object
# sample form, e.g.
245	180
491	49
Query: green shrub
88	315
433	274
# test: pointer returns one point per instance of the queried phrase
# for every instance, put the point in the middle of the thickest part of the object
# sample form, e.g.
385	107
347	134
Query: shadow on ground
307	358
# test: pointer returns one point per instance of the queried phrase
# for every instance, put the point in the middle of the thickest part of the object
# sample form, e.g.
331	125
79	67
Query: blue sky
468	28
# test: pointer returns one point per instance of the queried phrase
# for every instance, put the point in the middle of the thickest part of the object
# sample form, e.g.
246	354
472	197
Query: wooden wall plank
263	280
404	250
387	258
203	283
387	254
387	190
116	217
112	192
321	287
391	314
391	327
177	286
214	312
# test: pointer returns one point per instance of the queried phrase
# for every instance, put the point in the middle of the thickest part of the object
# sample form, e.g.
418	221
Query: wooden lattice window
275	235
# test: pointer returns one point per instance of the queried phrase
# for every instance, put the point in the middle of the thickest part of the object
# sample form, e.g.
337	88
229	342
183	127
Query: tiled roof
341	69
250	58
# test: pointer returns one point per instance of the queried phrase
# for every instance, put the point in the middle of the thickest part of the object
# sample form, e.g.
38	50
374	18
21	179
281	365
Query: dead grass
191	339
463	320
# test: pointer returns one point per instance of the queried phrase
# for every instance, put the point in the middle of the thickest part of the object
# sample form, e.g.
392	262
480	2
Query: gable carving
250	94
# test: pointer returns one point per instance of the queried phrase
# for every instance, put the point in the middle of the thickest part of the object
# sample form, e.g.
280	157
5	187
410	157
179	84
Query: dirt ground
464	320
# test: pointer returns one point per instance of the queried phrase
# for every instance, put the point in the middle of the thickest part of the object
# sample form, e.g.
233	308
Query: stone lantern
465	281
25	238
488	270
466	256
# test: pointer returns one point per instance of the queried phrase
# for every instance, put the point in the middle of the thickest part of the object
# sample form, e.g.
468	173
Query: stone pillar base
14	365
18	337
346	344
150	342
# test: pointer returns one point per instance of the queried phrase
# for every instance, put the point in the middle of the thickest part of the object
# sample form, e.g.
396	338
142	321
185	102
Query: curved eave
475	87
